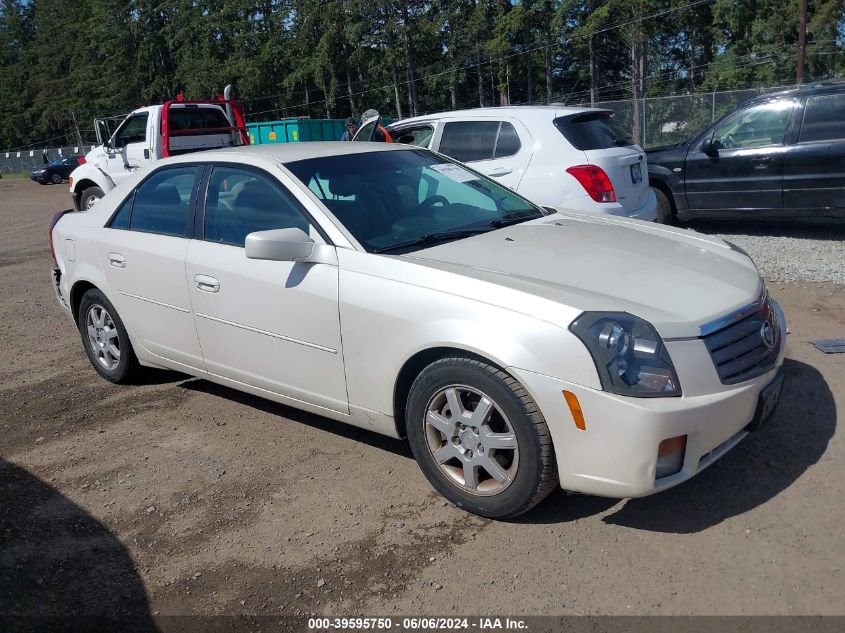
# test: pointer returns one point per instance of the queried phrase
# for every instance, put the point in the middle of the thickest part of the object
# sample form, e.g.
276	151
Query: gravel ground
180	497
786	250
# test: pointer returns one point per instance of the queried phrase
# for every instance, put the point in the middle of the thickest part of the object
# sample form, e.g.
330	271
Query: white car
390	288
578	158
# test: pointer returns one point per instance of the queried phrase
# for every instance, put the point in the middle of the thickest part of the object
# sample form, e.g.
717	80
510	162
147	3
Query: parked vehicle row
517	347
577	158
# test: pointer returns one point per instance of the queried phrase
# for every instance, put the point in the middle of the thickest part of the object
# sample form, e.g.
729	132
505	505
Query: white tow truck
153	132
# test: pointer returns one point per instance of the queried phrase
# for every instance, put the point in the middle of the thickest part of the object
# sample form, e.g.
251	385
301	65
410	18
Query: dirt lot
180	496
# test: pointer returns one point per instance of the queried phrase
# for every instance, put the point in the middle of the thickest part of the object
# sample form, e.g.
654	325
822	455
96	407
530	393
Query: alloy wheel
102	337
471	440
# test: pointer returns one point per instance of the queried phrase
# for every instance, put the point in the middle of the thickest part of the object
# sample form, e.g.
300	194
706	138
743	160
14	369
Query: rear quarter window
824	119
593	130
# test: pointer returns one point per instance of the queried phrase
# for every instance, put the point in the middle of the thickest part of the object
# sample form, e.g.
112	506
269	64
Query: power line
490	61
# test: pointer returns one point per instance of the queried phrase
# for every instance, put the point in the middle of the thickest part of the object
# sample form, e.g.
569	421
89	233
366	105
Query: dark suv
782	154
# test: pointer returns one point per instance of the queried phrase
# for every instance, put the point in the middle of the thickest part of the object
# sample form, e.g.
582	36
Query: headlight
629	354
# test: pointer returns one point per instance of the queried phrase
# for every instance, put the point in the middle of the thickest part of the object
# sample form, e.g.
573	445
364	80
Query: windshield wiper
517	219
431	238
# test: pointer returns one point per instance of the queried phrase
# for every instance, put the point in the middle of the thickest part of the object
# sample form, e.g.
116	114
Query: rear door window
507	143
468	141
824	119
162	201
593	130
479	140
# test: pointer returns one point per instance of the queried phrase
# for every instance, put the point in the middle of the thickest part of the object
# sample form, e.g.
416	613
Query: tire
89	197
512	419
665	211
106	336
56	179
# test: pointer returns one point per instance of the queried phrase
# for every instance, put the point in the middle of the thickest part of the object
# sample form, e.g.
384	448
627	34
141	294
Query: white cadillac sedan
517	348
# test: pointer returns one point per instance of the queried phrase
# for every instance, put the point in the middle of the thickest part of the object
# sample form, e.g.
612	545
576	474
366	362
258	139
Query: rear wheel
665	212
479	438
56	179
105	338
90	197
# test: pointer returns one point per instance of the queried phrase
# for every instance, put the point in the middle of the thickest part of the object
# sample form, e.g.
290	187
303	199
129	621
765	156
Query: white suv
577	158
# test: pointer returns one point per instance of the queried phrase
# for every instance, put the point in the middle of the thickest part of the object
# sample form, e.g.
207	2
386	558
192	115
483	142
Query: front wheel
480	438
56	179
90	197
105	338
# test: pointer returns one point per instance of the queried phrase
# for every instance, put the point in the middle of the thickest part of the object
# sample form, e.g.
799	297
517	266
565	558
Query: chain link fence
672	119
663	121
17	161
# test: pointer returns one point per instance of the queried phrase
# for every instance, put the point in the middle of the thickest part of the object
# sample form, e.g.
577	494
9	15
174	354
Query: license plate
636	173
767	402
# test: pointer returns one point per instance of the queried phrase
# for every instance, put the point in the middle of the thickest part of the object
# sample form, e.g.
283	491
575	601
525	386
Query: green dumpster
295	130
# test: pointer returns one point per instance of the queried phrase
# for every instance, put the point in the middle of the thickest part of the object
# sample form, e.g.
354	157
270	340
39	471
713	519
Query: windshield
402	200
55	163
593	130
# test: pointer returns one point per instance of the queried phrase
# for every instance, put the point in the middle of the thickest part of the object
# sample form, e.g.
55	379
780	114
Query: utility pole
802	40
76	127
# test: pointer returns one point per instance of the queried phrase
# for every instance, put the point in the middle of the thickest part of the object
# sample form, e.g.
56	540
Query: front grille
743	350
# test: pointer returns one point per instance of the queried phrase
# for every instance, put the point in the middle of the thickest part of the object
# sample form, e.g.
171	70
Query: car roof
818	87
517	112
290	152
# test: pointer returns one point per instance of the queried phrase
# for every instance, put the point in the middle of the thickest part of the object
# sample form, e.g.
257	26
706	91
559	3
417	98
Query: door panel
143	256
273	325
735	179
744	170
146	273
498	149
270	324
129	142
814	175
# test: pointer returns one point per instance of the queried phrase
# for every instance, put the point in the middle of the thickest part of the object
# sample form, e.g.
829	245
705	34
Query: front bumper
616	456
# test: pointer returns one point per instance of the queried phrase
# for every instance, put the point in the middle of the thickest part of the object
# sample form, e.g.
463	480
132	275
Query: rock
320	583
151	509
39	440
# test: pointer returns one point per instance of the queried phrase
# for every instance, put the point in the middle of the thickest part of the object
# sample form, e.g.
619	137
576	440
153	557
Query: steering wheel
430	202
729	141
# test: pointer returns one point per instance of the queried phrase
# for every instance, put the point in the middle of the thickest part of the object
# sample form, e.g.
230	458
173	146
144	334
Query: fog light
670	456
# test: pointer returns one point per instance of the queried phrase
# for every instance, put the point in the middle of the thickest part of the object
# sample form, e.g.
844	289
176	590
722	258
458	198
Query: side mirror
287	245
710	148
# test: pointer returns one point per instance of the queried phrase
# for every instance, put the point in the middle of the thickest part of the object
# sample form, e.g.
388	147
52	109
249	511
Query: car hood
676	279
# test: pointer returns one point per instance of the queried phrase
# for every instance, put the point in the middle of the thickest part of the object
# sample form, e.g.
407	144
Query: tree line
63	62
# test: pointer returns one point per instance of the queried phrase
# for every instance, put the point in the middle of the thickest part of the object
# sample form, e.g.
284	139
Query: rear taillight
595	182
53	223
82	160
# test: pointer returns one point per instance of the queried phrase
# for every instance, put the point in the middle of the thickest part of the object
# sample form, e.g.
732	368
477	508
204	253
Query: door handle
206	283
762	160
117	260
501	171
